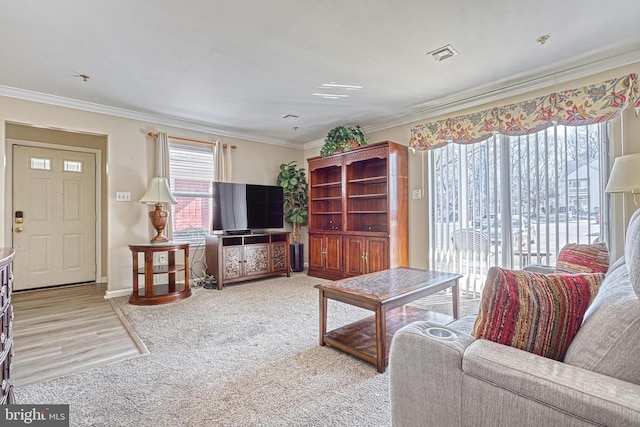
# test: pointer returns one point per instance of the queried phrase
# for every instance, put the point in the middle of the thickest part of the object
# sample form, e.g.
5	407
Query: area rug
244	356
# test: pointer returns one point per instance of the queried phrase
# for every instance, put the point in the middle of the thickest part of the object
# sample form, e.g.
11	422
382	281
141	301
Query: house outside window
191	176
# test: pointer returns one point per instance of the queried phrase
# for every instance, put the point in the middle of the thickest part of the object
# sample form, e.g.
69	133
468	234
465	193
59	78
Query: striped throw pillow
583	258
539	313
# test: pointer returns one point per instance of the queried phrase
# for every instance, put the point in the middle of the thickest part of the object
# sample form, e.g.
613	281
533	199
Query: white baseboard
118	293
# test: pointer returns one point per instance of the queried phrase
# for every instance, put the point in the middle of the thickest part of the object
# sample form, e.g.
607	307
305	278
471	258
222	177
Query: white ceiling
236	67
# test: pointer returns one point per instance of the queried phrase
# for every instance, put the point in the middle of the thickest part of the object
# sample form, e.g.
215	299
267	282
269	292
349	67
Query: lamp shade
625	175
158	192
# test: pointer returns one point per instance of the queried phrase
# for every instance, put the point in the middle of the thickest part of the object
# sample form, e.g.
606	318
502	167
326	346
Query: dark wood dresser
6	321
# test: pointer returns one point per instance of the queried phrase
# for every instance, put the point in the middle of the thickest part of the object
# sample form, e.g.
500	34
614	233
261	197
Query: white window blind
191	170
517	200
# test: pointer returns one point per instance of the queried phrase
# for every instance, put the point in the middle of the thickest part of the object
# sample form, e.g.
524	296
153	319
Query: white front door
54	194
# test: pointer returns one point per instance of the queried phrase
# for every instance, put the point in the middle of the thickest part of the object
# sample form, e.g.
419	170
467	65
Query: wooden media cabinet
236	258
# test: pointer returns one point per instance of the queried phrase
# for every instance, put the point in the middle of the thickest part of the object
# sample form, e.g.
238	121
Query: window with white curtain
517	200
191	173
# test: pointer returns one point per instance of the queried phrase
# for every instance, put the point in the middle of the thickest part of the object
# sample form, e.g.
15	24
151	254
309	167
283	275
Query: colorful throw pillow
583	258
539	313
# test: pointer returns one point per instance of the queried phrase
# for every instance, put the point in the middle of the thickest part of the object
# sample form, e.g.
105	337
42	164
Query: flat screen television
243	208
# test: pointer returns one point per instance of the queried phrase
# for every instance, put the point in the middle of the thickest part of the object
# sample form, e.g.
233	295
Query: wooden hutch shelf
358	211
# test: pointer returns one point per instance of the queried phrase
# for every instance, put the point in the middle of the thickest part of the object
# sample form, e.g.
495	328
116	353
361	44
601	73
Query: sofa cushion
583	258
607	342
539	313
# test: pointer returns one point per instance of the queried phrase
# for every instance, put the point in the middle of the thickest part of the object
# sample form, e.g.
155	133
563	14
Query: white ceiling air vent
443	53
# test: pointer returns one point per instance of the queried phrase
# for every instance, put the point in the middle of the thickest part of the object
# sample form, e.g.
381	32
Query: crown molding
497	92
60	101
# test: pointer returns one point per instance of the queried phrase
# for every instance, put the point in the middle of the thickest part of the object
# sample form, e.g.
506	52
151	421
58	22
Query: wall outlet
123	196
416	194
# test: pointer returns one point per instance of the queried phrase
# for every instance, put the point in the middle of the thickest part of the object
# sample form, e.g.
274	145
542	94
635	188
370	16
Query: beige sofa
441	380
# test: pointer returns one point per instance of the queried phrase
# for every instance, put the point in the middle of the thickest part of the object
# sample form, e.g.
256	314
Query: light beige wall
129	166
258	163
625	140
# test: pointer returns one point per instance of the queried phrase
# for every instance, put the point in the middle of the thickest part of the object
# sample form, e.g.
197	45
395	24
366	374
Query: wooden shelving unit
358	211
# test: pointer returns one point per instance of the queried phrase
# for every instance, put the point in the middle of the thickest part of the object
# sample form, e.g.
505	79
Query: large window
515	200
191	172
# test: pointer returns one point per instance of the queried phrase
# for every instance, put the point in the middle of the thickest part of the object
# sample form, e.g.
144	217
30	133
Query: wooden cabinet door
325	254
232	262
316	252
365	255
256	259
354	249
333	254
377	254
279	256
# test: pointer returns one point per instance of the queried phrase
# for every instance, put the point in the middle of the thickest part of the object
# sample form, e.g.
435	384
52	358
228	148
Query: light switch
123	196
416	194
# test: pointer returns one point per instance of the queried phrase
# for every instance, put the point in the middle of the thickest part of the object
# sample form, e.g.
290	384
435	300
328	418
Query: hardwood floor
66	330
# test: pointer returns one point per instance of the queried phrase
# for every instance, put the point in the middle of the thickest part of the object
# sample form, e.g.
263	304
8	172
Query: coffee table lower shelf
359	338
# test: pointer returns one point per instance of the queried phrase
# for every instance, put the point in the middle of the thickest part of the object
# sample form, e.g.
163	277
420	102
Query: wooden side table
153	294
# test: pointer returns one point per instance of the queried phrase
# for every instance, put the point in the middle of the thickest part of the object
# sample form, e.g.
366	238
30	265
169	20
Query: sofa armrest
468	382
573	391
425	370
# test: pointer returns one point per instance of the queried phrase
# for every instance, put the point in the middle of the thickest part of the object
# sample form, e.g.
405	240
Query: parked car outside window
519	230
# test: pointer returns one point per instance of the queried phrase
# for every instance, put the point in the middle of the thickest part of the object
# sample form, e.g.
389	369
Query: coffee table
386	293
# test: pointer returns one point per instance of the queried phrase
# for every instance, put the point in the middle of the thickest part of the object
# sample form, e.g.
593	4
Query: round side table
153	294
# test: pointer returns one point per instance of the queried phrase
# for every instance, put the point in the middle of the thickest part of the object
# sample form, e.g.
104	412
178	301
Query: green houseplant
343	137
293	181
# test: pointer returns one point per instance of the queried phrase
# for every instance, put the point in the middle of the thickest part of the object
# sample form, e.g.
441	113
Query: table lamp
158	193
625	176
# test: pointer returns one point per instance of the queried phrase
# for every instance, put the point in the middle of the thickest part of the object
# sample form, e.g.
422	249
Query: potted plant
293	181
343	137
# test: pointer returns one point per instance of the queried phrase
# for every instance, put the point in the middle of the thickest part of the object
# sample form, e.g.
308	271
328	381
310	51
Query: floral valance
583	106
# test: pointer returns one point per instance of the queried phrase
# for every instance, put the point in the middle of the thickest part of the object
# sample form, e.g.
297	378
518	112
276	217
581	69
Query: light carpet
244	356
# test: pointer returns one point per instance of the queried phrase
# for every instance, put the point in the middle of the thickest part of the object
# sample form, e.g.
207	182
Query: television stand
236	258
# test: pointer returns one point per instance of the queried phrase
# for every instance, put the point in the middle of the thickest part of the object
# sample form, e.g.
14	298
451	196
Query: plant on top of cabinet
343	137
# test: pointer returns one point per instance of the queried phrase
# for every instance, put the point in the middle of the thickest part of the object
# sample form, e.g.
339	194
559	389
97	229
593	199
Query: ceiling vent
443	53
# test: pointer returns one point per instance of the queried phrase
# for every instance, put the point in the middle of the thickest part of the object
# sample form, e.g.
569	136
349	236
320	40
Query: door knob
19	229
